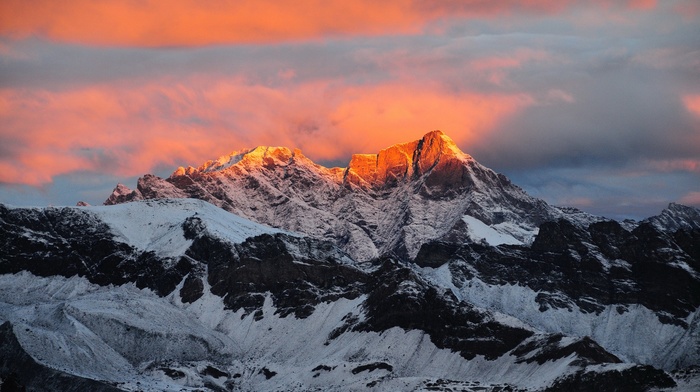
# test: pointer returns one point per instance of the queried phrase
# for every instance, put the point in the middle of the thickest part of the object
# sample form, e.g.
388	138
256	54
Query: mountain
178	294
413	269
386	203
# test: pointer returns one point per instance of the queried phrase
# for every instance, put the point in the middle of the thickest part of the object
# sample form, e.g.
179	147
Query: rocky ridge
386	203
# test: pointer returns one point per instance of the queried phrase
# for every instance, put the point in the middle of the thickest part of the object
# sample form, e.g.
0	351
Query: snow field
125	335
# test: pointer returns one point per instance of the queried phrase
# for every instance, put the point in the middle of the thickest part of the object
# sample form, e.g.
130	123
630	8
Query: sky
591	104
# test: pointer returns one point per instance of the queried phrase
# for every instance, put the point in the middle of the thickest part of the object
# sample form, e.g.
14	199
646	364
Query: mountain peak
440	139
436	145
122	194
404	159
390	201
677	216
258	156
370	170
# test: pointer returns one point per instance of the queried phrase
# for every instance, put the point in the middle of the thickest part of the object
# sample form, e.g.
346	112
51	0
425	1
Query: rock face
386	203
166	294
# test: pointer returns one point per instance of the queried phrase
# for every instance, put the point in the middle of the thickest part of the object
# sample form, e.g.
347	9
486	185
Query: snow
520	231
683	265
46	329
156	225
442	277
479	231
636	335
607	264
223	162
125	335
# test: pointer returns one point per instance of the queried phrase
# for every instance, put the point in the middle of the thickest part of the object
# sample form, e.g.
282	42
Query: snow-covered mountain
387	203
412	269
180	295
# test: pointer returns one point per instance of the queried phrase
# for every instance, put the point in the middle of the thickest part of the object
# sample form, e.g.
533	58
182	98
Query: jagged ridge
386	203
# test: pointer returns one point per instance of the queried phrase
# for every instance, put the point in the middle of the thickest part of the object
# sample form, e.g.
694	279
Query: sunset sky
591	104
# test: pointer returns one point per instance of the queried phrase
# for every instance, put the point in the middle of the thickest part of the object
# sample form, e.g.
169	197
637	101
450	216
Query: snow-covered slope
180	295
480	231
386	203
157	225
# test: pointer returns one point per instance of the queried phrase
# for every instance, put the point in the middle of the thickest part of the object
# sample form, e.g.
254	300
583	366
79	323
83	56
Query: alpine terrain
413	269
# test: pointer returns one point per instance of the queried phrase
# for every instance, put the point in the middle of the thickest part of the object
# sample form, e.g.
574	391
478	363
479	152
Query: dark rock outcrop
633	379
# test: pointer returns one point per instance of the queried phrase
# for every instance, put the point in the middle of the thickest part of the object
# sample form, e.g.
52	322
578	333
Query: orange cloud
692	104
154	23
201	22
396	112
127	129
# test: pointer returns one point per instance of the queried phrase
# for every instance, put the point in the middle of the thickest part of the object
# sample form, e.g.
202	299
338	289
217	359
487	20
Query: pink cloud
495	68
513	60
578	202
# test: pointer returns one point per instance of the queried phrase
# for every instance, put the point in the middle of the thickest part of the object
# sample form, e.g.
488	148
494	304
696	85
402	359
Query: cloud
514	101
691	199
597	112
153	23
692	103
567	90
615	192
129	129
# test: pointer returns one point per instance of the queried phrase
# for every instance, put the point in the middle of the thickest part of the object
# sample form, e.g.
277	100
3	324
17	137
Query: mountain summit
434	152
390	202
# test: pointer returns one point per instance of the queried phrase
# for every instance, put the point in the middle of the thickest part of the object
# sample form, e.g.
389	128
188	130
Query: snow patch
479	231
156	225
